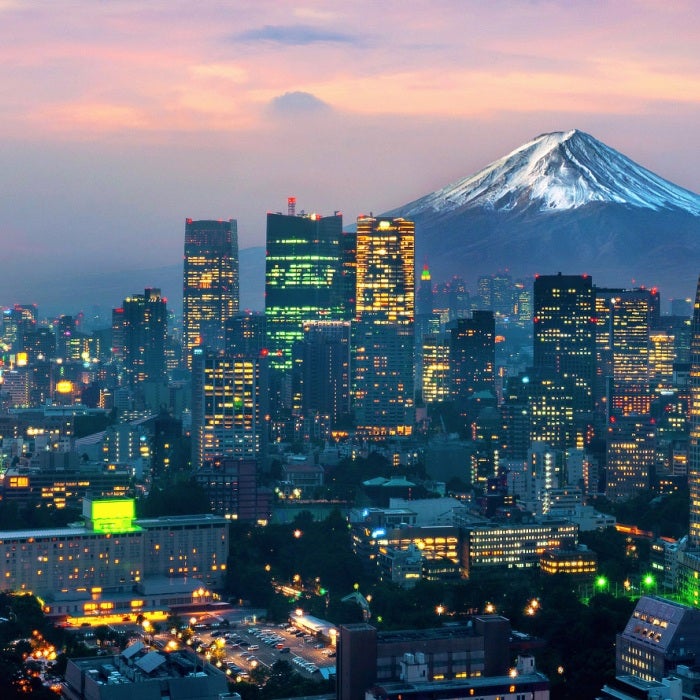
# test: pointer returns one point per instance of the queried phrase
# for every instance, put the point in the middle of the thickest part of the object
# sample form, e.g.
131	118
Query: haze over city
122	119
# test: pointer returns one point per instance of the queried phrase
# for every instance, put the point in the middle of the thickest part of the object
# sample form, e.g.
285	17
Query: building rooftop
139	664
453	631
458	686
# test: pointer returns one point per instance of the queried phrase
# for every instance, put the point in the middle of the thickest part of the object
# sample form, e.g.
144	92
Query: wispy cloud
295	35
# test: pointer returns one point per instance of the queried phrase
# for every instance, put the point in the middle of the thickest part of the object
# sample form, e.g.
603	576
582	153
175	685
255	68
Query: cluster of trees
22	627
665	515
575	636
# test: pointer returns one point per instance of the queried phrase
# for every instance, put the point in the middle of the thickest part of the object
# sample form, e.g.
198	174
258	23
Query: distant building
324	376
232	486
210	293
631	312
230	406
383	337
438	544
403	567
145	327
630	456
522	684
564	349
513	545
473	355
306	277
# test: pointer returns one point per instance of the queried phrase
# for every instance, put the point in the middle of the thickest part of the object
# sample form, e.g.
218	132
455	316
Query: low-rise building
660	635
140	673
575	561
514	545
371	659
106	565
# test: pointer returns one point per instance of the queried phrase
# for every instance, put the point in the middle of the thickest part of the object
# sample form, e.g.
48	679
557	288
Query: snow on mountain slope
559	171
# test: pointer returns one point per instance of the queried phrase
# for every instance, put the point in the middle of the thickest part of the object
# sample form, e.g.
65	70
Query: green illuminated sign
112	515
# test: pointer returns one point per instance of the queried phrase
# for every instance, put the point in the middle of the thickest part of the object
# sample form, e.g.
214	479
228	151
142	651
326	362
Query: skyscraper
564	334
473	354
145	324
325	369
383	337
229	406
689	559
210	282
632	311
308	277
694	456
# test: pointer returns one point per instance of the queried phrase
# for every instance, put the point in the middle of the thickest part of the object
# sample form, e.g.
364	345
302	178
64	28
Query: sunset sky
120	119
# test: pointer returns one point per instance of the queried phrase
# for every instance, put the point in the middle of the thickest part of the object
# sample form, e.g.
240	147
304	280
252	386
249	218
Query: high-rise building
384	333
210	282
694	453
603	304
308	277
473	354
435	378
246	334
324	354
564	340
632	311
229	406
631	456
385	270
145	327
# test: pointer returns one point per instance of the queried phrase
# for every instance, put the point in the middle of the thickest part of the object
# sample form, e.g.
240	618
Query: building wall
71	559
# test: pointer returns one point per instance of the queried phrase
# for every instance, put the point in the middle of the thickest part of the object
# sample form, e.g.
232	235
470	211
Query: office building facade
307	278
77	569
210	291
473	354
229	406
383	337
144	331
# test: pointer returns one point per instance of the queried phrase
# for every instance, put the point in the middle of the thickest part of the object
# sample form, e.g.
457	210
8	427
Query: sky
121	118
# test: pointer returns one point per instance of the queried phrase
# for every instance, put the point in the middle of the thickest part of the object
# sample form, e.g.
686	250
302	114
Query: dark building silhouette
324	369
233	489
246	334
145	327
473	355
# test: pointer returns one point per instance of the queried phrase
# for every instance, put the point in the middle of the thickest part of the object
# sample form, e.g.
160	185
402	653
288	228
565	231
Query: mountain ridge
562	201
557	171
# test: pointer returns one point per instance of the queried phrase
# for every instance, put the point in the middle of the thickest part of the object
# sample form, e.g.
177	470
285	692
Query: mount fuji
562	202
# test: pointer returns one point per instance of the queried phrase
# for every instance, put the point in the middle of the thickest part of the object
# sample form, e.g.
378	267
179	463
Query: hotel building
116	563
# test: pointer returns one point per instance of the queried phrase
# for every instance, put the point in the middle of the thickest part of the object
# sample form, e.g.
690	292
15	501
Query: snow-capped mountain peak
555	172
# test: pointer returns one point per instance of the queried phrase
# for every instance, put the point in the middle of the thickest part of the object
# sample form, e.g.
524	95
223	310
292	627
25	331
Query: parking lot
245	646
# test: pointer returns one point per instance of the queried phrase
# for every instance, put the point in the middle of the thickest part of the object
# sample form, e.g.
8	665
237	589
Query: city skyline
135	117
